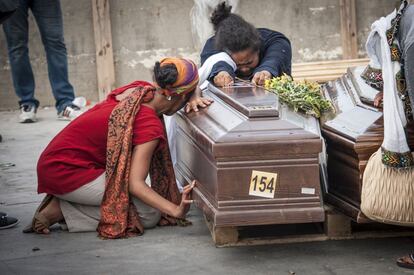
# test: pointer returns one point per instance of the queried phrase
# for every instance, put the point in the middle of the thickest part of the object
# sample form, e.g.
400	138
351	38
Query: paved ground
162	250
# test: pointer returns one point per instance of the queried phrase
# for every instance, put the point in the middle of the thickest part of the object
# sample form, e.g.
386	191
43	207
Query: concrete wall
143	34
145	31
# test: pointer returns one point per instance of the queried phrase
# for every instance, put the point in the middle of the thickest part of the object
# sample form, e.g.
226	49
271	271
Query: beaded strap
397	160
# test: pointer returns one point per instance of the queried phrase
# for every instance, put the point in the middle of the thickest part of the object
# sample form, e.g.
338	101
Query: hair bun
165	75
221	12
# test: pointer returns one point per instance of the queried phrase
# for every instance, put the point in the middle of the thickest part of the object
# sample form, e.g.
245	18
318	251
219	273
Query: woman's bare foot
51	213
406	261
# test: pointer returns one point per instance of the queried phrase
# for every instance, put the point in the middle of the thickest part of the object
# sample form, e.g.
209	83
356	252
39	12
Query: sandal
403	263
39	217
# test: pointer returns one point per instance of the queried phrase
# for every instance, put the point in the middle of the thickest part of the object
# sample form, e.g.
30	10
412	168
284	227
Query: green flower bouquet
303	96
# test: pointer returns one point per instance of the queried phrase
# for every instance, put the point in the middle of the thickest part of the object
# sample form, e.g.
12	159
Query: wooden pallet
336	227
324	71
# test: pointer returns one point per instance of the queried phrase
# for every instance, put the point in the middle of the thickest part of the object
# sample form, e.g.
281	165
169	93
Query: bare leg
406	261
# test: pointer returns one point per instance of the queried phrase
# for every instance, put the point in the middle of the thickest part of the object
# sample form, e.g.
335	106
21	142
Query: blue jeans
48	16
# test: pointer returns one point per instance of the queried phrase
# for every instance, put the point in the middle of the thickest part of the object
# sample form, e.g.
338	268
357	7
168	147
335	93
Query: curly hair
232	32
165	75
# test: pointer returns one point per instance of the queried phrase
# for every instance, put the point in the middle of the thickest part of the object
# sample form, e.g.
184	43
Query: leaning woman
94	170
238	49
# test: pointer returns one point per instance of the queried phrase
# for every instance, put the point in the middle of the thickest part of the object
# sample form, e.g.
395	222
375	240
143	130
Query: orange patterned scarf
187	78
119	217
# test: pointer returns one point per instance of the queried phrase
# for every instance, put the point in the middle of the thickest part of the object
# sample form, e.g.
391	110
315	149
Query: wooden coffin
246	129
352	135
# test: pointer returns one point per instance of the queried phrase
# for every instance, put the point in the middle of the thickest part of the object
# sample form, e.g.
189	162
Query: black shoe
7	222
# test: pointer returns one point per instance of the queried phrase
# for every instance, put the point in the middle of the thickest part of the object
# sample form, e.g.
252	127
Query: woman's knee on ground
148	215
151	218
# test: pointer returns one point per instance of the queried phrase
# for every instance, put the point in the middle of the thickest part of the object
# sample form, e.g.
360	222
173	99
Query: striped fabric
187	79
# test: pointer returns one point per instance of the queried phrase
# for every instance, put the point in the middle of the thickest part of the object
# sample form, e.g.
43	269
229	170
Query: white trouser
170	126
81	208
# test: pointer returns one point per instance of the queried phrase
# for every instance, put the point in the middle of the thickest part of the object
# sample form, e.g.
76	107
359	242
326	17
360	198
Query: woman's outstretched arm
140	163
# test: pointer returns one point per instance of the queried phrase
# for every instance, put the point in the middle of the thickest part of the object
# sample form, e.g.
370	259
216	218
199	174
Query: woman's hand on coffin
186	201
378	99
195	102
223	79
259	78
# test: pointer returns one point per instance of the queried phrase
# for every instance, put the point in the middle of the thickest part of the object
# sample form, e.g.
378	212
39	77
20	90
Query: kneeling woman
94	170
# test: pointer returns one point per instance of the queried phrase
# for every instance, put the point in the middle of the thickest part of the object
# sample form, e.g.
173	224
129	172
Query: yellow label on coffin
263	184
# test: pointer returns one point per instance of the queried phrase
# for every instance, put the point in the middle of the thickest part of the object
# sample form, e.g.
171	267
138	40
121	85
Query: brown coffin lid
356	124
352	99
242	122
249	100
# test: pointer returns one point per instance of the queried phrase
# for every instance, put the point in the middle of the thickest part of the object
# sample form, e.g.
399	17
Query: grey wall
145	31
143	34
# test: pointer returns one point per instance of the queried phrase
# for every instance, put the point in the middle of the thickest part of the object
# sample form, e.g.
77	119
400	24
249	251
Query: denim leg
16	31
48	15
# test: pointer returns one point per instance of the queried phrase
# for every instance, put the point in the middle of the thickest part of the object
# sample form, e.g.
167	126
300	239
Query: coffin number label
263	184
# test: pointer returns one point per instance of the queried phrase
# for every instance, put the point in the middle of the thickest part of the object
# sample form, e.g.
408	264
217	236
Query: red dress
77	155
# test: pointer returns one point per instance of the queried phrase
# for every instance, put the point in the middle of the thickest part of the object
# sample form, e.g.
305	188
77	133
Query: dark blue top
7	8
275	55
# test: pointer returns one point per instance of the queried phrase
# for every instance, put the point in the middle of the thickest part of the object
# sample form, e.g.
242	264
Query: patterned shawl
119	217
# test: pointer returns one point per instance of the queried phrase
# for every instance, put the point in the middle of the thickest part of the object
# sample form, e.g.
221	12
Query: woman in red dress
94	170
